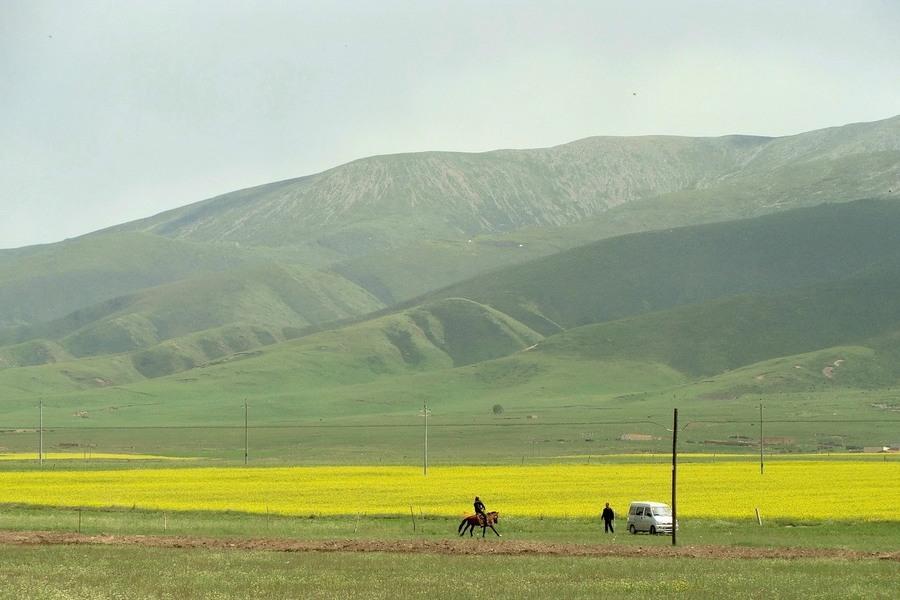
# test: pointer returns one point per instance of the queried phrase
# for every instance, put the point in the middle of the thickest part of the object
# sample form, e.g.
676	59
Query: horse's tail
461	525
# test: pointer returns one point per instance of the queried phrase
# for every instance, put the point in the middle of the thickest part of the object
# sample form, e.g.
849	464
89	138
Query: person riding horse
472	521
480	511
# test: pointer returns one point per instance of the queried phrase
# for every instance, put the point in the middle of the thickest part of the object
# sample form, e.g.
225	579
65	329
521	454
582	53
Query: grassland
866	536
115	572
554	405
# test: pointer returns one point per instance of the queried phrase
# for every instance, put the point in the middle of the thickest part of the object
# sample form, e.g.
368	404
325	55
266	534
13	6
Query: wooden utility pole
425	458
246	434
41	433
760	439
674	480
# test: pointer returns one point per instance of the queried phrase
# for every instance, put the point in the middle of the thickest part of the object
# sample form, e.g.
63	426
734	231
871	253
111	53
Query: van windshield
662	511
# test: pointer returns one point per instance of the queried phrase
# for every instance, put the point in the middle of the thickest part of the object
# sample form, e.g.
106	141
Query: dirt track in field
474	547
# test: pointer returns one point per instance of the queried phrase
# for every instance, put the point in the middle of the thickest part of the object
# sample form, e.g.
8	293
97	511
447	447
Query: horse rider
479	511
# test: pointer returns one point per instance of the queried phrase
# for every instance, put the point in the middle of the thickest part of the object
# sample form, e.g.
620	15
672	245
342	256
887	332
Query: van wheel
632	529
652	530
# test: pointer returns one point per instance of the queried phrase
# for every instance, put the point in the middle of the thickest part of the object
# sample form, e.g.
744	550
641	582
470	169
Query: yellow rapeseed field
841	489
33	456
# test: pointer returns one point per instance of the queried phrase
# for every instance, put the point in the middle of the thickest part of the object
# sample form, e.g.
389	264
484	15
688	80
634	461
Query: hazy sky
111	110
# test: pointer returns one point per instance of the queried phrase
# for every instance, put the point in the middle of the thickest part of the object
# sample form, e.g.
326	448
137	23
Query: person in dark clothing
608	517
479	510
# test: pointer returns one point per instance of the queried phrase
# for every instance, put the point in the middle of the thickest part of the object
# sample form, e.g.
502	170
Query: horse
470	522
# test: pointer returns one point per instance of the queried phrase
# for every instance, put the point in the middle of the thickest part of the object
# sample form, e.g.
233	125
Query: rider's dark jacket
479	507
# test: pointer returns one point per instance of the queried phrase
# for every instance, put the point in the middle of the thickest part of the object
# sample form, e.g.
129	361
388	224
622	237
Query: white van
652	517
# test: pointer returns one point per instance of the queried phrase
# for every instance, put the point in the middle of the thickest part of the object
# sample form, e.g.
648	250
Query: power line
11	429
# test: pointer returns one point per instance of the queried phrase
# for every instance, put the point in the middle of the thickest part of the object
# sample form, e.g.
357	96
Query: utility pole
425	457
246	434
760	438
41	433
674	471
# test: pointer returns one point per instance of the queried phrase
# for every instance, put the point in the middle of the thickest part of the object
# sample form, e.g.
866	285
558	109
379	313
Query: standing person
608	516
479	510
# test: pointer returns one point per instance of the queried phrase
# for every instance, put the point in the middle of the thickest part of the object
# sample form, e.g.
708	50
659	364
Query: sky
111	111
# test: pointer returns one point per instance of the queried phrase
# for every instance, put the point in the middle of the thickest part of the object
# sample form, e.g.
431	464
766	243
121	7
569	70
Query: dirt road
453	546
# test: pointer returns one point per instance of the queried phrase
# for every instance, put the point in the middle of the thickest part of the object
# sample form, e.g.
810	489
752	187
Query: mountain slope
373	219
639	273
434	336
728	348
385	201
45	282
277	299
184	324
380	200
711	338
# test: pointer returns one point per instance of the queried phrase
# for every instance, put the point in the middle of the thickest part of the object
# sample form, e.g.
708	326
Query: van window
662	511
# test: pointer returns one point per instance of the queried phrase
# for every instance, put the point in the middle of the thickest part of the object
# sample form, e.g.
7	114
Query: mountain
384	201
639	273
613	279
371	220
271	263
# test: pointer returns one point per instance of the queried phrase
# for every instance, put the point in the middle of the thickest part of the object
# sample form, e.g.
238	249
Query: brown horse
473	521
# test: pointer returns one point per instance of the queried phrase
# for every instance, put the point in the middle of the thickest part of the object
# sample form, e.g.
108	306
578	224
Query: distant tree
498	409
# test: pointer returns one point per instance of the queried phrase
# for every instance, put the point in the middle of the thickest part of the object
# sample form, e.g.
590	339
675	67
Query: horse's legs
495	531
463	527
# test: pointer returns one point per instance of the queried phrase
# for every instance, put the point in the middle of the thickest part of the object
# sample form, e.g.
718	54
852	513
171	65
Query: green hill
180	325
276	301
639	273
827	349
437	342
42	283
440	335
711	338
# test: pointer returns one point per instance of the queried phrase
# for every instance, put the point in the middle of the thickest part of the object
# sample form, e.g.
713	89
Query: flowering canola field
34	456
842	489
